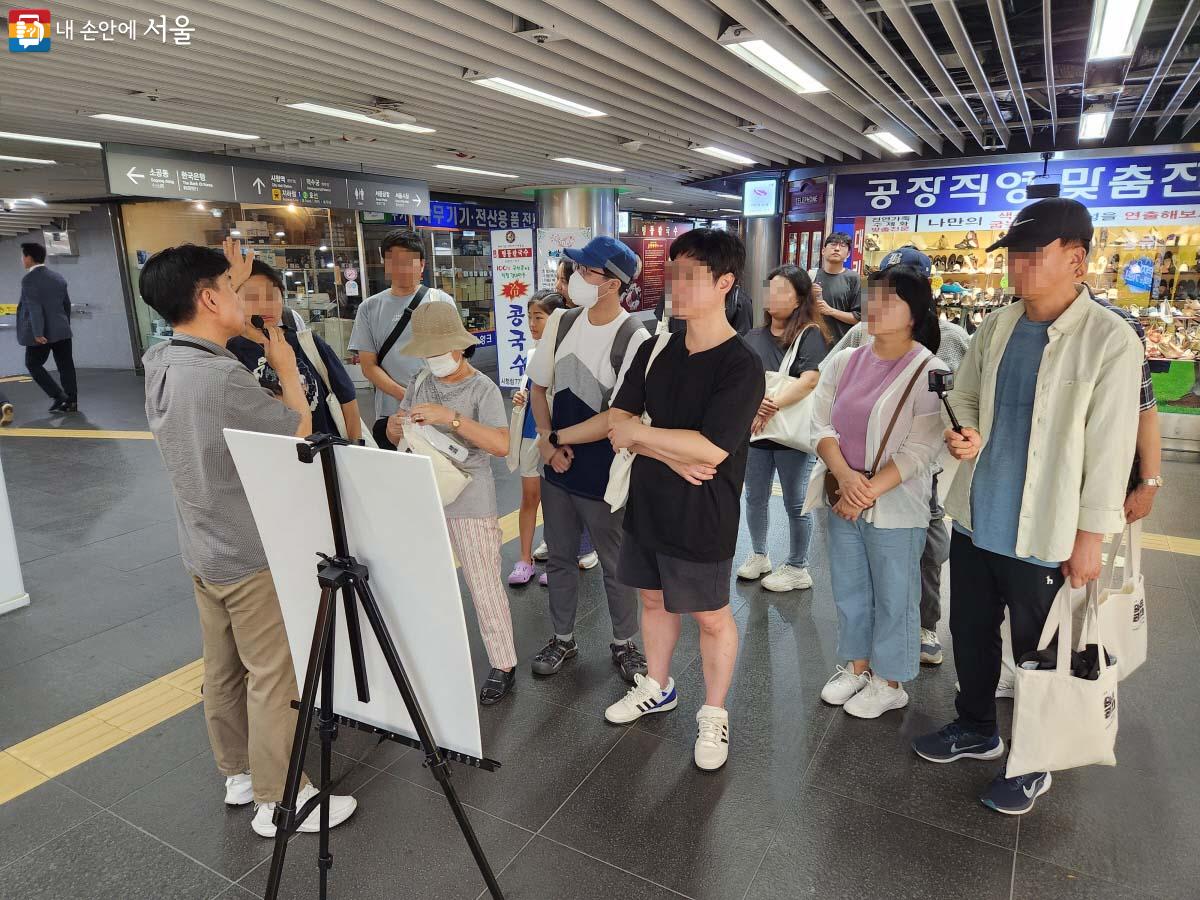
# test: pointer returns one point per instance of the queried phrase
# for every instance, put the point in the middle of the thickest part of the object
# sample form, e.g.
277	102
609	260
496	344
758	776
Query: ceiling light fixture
279	234
1116	27
174	126
40	139
1094	123
656	200
730	196
28	159
587	165
476	171
361	118
32	201
726	155
772	63
887	140
535	96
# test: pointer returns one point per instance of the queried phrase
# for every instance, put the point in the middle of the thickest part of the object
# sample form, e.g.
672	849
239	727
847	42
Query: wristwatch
1156	481
455	422
554	439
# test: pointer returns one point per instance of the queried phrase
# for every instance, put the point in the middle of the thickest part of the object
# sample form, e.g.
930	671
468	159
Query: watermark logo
29	30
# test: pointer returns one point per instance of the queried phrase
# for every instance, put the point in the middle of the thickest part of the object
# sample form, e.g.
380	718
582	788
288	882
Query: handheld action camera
941	382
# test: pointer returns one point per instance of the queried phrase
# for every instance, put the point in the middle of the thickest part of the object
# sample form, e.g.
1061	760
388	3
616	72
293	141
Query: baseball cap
607	254
1045	222
907	256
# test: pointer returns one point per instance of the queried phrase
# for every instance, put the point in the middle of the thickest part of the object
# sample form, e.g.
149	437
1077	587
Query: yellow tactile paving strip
34	761
76	433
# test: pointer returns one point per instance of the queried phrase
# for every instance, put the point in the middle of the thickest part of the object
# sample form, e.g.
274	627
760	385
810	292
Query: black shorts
688	587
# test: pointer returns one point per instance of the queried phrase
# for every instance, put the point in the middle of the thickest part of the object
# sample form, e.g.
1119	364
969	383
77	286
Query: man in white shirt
1047	397
582	363
382	324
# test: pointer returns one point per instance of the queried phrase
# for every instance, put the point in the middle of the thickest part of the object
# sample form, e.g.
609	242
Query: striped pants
476	543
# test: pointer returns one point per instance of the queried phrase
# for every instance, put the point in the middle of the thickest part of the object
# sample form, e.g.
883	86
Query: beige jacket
1085	419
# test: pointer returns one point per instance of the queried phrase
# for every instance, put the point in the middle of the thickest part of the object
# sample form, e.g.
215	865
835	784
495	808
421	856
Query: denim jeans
795	467
876	574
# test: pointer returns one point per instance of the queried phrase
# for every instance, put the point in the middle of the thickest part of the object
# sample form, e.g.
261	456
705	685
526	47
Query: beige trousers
249	681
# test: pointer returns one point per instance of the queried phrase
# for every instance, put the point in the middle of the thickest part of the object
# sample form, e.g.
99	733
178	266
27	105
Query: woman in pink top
877	525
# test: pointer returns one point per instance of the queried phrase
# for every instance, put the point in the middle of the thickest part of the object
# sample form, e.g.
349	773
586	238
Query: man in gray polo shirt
384	313
195	388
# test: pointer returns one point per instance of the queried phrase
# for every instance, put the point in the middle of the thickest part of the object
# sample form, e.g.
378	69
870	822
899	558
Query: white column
12	589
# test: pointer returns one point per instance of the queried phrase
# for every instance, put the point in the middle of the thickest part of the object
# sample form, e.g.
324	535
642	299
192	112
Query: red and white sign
512	284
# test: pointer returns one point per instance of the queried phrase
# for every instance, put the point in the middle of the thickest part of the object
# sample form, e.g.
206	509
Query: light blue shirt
999	482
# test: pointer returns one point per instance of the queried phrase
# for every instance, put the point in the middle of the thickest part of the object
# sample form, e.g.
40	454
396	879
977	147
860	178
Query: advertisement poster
651	283
550	244
512	281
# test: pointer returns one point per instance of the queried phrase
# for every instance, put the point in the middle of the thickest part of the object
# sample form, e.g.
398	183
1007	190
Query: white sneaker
340	809
712	738
239	790
542	553
788	578
1006	687
876	699
843	685
758	565
589	560
645	697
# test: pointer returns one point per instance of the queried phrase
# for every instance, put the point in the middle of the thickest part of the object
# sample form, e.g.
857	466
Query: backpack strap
616	355
568	318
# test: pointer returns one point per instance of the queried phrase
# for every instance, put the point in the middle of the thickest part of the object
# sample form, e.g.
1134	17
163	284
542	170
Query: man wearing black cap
1047	397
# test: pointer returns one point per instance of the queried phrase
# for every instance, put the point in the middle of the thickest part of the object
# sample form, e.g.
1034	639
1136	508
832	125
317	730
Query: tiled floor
812	804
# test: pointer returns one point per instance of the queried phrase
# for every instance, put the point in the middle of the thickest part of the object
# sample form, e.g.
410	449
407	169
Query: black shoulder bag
390	340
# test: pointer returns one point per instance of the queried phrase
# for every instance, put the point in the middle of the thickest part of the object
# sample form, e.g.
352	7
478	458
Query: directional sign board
150	172
146	175
396	195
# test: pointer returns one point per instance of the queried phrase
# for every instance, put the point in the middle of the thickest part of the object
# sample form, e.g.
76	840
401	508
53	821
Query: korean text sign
512	283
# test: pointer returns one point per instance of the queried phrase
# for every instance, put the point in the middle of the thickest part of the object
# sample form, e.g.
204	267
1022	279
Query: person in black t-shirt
791	321
262	295
681	519
837	290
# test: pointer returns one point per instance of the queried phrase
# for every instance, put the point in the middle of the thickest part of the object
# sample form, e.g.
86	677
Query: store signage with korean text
444	214
150	172
512	281
1123	182
550	245
806	196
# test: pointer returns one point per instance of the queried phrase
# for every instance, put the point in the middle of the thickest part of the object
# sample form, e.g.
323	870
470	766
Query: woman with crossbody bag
878	433
791	343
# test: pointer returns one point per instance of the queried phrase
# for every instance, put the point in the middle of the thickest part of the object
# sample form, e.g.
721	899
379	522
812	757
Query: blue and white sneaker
1015	796
931	648
953	742
645	697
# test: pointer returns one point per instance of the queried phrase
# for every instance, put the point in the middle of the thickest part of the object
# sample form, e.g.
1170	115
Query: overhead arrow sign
258	185
133	175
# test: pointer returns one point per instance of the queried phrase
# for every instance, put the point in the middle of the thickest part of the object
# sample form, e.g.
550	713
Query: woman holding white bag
791	343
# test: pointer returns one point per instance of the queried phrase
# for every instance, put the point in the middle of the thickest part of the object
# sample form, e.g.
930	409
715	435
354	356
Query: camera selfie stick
342	572
941	382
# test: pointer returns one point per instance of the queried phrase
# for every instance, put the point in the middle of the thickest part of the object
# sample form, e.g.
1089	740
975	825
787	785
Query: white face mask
443	366
583	293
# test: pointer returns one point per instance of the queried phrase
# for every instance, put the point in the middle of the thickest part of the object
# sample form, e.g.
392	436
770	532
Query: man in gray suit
44	327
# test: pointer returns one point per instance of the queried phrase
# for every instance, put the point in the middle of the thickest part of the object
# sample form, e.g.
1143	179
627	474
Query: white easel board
395	526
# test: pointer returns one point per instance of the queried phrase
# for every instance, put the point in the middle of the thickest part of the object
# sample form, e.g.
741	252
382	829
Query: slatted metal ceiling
951	78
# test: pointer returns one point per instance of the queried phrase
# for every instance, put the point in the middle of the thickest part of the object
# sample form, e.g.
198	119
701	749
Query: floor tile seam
1012	878
99	812
504	868
395	776
799	790
615	866
1093	875
902	815
124	797
171	846
584	780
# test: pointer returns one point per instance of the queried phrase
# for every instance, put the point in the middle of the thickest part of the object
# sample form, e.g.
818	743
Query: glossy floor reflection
812	803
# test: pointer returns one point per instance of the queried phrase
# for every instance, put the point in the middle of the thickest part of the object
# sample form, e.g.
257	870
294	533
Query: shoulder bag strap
896	415
391	339
789	358
179	342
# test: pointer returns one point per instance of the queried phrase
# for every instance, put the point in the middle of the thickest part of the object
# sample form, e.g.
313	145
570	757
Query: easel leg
438	765
286	808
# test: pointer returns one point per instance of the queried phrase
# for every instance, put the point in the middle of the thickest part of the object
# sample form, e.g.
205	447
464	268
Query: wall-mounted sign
444	214
623	221
760	197
806	197
512	283
551	242
151	172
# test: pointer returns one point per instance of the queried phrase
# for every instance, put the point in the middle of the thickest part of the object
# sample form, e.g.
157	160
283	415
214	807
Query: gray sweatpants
937	551
565	516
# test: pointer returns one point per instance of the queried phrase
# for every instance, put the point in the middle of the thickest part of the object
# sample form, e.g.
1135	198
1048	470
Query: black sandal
498	684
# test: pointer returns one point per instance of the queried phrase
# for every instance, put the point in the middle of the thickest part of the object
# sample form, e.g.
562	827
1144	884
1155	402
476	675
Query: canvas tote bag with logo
1061	721
1123	608
792	425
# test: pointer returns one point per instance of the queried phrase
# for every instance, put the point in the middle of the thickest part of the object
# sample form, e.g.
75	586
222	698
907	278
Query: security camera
632	146
540	37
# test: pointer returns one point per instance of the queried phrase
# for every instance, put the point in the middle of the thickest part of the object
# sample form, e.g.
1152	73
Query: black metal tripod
343	572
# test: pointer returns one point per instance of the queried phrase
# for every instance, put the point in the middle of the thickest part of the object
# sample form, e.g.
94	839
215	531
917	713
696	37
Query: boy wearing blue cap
584	355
